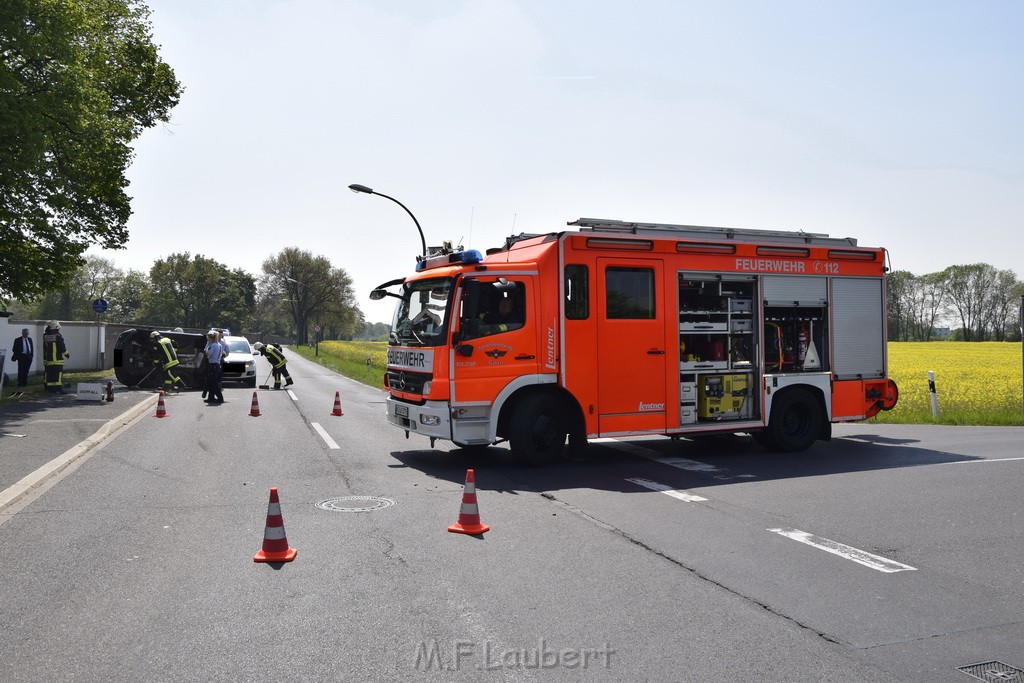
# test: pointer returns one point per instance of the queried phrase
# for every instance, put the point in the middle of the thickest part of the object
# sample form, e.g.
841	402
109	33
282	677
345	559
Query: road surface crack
692	570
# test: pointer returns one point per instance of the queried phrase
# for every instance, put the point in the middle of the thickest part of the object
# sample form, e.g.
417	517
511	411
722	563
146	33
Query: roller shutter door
795	290
858	328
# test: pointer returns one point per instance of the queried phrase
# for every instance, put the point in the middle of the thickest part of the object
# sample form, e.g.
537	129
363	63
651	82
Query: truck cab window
502	309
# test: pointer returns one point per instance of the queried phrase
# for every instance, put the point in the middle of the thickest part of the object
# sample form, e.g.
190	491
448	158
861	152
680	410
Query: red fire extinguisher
803	340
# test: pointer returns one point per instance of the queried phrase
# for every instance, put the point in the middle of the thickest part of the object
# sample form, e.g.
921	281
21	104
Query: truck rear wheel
537	430
795	422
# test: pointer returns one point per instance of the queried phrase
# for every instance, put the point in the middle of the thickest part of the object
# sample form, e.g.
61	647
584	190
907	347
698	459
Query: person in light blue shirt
215	351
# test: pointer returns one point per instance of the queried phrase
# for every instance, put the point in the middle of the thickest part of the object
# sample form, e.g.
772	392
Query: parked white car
240	362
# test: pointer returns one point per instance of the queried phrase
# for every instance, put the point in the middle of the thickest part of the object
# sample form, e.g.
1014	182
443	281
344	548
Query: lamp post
296	302
365	190
299	309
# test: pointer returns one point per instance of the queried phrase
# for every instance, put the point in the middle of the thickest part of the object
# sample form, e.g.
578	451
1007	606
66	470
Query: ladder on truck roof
701	232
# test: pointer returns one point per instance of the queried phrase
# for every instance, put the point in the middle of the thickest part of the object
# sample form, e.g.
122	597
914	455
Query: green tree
79	80
126	298
199	292
271	314
373	332
94	279
899	286
316	293
1004	313
969	292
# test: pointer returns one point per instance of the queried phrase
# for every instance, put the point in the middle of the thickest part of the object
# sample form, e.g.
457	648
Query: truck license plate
402	411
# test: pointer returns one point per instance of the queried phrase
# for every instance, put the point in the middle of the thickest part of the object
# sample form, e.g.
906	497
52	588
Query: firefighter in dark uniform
167	358
275	354
54	355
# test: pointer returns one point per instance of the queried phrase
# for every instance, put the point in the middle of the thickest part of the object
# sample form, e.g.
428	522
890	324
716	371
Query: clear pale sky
898	123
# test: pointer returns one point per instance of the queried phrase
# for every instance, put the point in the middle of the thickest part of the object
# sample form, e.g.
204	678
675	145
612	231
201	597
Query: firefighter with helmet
165	356
275	354
54	355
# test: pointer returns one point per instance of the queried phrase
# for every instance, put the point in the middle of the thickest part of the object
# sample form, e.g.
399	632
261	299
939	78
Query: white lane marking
973	462
682	463
325	436
863	557
292	394
668	490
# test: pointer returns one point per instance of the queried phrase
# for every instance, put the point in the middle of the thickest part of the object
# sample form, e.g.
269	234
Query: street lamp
298	308
365	190
298	299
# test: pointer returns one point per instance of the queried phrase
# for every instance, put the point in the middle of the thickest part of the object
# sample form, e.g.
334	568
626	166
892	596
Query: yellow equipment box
723	397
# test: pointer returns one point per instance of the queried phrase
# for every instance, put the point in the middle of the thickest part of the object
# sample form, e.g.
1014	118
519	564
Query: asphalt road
891	553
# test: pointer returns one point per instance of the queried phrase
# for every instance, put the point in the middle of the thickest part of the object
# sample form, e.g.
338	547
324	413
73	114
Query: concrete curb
14	493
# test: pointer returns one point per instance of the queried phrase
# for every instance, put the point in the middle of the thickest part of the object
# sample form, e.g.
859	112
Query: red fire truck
621	329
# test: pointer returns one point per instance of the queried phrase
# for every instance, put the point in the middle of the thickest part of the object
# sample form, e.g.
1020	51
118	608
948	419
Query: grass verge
35	390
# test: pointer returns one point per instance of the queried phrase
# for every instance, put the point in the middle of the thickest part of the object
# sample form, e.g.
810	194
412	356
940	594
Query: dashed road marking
876	562
713	471
863	557
292	394
974	462
325	436
668	490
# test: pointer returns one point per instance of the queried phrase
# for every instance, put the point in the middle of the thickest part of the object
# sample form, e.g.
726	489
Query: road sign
316	328
99	305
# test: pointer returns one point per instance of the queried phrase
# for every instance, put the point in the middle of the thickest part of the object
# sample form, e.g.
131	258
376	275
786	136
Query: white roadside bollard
935	398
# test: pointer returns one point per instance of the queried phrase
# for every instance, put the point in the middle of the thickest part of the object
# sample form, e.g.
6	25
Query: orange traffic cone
469	513
337	404
161	409
254	411
275	542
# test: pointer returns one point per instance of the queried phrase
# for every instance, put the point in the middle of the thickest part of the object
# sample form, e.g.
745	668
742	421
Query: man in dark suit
23	352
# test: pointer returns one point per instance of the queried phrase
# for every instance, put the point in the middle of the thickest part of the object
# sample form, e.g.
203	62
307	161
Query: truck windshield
421	318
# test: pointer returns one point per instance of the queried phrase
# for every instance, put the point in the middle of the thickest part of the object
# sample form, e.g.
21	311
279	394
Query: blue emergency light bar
467	257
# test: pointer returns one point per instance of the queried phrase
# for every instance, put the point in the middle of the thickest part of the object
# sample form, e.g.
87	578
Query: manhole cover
993	671
355	504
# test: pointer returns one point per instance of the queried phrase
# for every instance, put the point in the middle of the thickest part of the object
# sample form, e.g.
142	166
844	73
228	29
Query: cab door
631	348
496	345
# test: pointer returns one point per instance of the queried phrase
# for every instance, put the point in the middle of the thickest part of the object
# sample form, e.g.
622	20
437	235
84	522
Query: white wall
84	341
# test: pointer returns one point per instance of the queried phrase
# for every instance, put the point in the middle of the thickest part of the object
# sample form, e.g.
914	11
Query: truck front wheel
795	422
537	430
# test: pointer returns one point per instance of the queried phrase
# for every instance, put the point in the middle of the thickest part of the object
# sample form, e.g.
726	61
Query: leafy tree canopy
316	293
79	80
199	292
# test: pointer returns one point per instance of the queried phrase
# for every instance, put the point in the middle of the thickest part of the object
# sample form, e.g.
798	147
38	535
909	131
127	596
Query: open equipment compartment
717	347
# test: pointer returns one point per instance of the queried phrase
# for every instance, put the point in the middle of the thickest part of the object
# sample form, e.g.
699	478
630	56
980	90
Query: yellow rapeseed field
976	383
357	351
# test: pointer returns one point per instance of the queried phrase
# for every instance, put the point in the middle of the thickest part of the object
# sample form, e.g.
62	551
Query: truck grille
407	382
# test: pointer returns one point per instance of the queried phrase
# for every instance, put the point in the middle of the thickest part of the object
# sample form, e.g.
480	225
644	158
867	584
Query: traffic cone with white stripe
275	541
337	404
254	411
161	409
469	513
